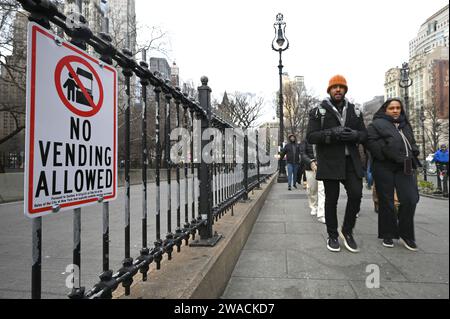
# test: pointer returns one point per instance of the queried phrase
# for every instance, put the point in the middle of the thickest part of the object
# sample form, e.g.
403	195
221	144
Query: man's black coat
330	152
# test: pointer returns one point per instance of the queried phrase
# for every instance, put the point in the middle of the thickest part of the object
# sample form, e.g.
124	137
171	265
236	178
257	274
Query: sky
230	42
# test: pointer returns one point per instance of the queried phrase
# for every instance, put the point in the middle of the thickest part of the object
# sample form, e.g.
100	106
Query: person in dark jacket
336	127
394	151
292	152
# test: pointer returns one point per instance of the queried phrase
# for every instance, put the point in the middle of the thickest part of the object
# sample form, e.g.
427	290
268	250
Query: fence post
258	184
178	231
187	226
158	242
127	261
207	237
145	250
77	290
245	166
168	242
37	259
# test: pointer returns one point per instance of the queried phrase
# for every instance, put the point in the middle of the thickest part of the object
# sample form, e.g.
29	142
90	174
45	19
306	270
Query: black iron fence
215	178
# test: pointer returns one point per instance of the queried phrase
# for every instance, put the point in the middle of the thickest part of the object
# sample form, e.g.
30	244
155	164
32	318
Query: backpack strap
322	112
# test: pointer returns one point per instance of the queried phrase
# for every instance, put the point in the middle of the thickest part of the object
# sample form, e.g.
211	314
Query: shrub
426	187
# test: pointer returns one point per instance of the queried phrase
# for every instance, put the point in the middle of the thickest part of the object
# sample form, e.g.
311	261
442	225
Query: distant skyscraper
122	25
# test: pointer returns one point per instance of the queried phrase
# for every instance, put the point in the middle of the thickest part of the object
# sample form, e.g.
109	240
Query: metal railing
211	189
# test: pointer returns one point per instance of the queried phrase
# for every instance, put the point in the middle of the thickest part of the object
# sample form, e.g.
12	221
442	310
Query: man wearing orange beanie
337	127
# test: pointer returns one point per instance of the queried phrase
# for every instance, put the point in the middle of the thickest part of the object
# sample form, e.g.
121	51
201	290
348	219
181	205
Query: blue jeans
292	173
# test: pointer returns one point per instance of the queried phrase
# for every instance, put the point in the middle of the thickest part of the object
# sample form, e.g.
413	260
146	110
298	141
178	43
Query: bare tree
298	101
154	42
291	108
244	109
12	67
307	102
436	129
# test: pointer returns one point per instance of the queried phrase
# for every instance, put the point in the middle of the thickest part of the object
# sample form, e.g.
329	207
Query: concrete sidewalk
286	255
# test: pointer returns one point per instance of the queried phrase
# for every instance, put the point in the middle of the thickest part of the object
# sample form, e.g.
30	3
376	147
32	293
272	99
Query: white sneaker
321	220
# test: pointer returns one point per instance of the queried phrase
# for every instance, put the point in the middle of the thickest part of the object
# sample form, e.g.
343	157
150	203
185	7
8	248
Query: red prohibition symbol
83	95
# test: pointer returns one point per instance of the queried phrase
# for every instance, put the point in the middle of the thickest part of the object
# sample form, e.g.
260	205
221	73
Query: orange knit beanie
337	80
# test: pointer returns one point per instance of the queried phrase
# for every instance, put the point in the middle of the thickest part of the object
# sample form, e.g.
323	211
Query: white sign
71	126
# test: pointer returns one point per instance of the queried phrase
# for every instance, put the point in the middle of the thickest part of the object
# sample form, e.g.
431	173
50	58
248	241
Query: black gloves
332	134
337	131
343	134
349	135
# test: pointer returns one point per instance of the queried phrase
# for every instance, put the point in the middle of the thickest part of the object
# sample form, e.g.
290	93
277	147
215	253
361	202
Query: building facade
161	66
391	83
428	64
271	132
425	86
439	87
12	98
432	33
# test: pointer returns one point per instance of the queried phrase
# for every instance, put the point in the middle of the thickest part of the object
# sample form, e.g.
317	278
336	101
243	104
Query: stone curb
432	196
203	272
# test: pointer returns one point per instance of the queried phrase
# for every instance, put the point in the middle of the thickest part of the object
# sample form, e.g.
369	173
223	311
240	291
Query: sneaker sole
388	246
346	245
406	245
333	249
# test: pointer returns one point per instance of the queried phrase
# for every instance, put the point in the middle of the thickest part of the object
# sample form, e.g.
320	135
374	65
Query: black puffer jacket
330	154
385	142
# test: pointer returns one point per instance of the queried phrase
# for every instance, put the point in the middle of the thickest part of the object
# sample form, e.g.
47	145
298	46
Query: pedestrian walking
336	127
441	160
292	152
394	151
315	188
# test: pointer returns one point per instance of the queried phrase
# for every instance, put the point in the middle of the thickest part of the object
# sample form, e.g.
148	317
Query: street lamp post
280	43
405	82
422	122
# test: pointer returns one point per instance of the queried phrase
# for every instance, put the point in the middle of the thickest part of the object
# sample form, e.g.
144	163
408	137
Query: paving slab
286	255
268	288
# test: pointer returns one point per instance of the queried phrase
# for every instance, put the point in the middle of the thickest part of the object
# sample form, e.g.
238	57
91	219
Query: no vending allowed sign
71	126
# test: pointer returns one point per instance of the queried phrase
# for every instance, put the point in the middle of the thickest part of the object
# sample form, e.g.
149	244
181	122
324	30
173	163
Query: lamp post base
210	242
282	178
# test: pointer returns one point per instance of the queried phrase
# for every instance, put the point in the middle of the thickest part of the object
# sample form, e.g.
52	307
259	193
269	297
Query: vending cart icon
74	93
80	97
